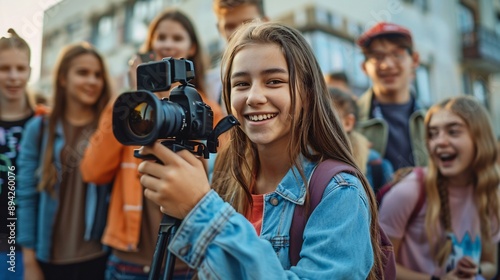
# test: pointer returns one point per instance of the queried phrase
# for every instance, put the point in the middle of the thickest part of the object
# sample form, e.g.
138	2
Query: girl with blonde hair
455	233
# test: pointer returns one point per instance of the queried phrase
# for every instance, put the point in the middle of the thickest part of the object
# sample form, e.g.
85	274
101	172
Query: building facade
458	40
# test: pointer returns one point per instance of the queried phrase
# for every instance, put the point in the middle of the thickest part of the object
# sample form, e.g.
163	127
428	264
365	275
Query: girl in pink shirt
455	233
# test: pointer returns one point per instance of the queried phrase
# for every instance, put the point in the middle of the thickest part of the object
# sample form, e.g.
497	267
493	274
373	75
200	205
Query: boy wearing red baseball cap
389	114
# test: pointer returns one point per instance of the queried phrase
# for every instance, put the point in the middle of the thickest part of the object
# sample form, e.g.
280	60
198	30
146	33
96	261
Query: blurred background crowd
458	40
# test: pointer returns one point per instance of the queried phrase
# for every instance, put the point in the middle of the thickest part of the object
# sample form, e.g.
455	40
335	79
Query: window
422	86
156	6
51	47
136	25
104	33
477	86
465	22
74	31
480	91
465	19
322	17
139	14
336	21
174	2
497	24
466	83
300	18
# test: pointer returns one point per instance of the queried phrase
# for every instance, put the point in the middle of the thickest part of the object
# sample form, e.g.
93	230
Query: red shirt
254	214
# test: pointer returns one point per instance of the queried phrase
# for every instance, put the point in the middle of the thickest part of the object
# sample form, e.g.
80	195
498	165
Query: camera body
140	118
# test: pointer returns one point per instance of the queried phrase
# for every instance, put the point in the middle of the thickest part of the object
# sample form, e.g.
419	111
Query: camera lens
142	119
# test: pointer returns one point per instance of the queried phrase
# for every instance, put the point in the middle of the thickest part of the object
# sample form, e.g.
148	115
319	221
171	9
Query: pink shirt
415	252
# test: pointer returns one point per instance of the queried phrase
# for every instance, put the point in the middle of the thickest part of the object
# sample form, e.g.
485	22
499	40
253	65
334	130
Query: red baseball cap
381	29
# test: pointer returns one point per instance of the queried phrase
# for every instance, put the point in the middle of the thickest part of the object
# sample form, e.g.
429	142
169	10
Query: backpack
377	174
322	175
398	176
381	170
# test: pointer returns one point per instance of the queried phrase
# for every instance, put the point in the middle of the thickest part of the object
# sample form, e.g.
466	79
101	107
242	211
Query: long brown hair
316	131
196	58
486	177
14	41
67	55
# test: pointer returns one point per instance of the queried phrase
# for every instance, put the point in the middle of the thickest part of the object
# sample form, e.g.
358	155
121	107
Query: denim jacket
222	244
37	210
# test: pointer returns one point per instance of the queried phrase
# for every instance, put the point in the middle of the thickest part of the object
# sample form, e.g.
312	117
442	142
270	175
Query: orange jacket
105	160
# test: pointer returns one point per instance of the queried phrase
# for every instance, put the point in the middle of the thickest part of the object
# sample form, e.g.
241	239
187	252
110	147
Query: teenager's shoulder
346	188
407	188
346	179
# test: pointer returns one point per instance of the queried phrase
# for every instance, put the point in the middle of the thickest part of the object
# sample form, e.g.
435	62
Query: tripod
166	232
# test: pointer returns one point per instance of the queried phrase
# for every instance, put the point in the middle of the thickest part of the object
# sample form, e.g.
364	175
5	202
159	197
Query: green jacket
377	130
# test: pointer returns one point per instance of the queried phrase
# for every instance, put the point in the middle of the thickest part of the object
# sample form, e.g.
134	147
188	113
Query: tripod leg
170	261
166	232
156	264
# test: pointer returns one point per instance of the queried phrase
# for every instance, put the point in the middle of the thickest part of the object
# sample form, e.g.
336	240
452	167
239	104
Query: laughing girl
455	234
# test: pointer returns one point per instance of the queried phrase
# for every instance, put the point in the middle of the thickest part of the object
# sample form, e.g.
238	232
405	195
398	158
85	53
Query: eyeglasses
395	56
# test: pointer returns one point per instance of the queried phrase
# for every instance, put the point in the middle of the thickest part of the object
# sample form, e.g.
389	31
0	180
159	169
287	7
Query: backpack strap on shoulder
377	174
421	193
320	178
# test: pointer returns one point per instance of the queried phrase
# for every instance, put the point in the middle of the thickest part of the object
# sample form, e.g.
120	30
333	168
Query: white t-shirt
415	252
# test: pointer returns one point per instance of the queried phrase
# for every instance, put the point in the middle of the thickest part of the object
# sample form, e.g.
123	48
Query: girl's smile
262	117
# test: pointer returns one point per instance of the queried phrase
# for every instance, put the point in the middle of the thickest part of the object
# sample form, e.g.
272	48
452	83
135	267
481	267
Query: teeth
446	156
261	117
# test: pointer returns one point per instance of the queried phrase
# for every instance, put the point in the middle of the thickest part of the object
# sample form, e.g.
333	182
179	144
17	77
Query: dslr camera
140	118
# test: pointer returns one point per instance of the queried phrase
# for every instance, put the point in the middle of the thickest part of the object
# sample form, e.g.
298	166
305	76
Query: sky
26	17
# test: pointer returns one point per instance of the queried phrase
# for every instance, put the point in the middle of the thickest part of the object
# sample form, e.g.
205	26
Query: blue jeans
118	269
11	265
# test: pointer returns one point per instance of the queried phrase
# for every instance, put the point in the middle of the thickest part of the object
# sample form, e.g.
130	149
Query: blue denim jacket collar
48	205
292	187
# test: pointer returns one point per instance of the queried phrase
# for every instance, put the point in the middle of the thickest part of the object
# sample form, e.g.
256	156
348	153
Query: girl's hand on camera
178	184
